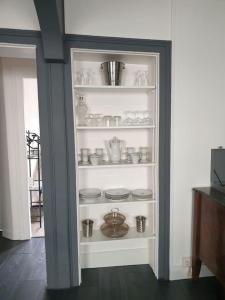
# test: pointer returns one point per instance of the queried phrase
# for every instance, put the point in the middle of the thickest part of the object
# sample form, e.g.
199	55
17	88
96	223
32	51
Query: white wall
127	18
30	92
31	116
148	19
198	105
15	204
18	14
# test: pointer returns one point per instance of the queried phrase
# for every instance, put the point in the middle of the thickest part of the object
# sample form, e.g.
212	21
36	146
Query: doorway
21	203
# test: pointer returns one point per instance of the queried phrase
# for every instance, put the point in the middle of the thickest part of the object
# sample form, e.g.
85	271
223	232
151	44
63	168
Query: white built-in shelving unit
133	248
121	89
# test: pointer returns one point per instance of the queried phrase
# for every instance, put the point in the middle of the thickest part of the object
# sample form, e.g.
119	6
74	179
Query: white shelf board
132	234
116	166
128	57
115	128
103	201
96	88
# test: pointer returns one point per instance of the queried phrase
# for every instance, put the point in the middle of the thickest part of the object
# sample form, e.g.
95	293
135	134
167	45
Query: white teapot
115	149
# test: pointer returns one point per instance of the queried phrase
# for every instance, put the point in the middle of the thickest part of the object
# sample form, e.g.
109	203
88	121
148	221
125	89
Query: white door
14	204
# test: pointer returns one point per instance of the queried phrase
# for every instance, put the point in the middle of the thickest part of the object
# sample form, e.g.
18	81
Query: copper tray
114	231
114	218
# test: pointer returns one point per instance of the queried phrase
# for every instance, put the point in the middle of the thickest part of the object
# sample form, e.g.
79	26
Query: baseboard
115	258
14	236
180	272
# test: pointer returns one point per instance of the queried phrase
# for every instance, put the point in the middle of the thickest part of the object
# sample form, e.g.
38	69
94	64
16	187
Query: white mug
84	155
94	159
135	157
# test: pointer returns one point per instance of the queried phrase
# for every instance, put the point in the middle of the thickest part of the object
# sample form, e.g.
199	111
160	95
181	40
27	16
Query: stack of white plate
89	194
117	194
142	194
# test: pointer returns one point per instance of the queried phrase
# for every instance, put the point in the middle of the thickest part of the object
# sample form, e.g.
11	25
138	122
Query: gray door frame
164	50
58	148
57	161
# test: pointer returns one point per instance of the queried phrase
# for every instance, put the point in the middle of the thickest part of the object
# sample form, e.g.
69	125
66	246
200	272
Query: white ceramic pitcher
114	149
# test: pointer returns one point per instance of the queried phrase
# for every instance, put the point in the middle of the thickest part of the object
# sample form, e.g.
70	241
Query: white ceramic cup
144	157
130	150
100	153
135	157
144	150
84	155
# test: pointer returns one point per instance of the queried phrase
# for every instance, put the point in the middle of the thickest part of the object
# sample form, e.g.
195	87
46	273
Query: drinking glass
137	81
107	121
126	119
130	150
141	78
99	120
91	120
82	77
144	78
89	77
117	121
78	77
85	77
131	116
139	117
147	120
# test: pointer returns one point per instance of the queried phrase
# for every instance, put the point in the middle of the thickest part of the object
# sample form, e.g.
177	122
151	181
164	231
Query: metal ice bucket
112	71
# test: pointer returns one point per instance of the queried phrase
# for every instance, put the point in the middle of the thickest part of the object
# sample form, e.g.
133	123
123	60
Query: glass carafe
81	111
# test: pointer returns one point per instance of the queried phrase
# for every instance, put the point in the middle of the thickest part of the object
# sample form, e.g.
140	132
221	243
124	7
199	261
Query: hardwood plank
203	289
23	277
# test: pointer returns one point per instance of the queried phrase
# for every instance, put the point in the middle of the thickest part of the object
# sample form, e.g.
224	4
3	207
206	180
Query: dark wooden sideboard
209	232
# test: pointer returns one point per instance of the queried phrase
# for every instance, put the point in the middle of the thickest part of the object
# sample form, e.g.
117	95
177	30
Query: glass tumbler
139	117
90	120
107	121
99	120
147	120
117	121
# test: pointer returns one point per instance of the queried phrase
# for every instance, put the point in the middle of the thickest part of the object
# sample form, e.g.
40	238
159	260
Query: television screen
218	168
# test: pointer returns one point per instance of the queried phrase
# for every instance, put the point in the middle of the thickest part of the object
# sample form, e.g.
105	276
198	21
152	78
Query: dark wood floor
23	277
